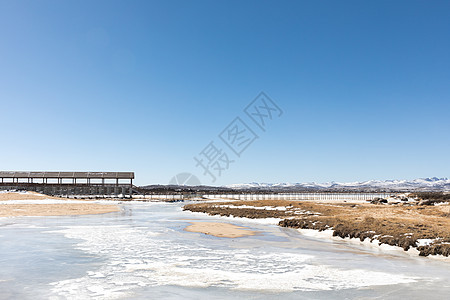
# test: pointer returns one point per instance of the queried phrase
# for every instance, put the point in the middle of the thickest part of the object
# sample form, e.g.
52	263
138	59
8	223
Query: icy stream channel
143	252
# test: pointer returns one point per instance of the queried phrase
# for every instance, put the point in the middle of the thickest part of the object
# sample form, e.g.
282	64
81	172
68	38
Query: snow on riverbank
374	244
267	221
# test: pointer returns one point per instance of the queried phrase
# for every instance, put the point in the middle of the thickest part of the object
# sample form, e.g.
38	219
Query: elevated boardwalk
69	183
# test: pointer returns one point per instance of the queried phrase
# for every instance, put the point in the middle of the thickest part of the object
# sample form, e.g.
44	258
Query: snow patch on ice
134	258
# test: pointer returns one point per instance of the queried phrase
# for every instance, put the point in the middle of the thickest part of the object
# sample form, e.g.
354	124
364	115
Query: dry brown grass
392	224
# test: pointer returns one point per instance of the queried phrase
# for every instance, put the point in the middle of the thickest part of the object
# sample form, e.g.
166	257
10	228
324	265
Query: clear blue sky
145	86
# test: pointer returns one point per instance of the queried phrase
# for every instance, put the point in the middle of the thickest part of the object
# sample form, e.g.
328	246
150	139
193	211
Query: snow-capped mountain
422	184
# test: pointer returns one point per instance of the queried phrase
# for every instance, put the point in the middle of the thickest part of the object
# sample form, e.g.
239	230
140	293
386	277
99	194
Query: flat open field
5	196
425	227
35	204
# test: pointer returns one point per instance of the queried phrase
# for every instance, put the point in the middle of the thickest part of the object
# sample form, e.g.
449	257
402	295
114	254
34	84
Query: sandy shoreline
7	196
219	229
41	208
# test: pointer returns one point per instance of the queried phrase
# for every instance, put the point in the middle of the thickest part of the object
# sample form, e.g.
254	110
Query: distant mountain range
433	184
422	184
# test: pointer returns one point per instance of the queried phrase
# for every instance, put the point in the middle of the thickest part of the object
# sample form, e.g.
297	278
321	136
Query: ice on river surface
144	252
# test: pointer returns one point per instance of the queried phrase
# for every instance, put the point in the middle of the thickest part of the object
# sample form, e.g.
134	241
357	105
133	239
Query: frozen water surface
143	252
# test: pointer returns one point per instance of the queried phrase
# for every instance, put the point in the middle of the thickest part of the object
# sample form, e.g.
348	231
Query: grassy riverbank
426	228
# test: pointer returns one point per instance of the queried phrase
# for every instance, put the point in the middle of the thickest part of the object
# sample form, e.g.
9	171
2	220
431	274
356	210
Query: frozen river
143	252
